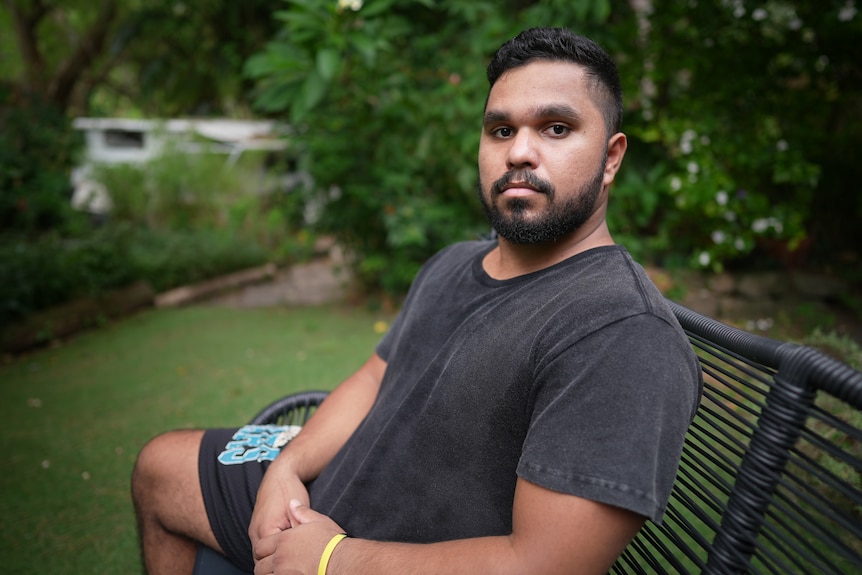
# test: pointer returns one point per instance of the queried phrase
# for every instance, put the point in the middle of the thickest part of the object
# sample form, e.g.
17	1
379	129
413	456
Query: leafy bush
37	274
178	219
729	156
388	151
173	191
841	347
37	147
169	259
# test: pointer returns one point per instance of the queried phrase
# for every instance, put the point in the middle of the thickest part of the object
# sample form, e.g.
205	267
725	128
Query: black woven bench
771	473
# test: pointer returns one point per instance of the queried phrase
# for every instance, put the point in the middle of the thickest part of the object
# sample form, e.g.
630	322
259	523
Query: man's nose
522	151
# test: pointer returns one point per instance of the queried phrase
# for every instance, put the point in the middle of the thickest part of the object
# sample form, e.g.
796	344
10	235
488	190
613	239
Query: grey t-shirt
577	378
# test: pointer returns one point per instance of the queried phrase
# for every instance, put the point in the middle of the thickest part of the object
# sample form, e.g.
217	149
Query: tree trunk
91	44
57	86
25	22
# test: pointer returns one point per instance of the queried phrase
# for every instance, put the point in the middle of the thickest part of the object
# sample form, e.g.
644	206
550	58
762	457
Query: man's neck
509	260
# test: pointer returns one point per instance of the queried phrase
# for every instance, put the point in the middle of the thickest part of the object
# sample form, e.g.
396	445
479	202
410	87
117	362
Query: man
524	414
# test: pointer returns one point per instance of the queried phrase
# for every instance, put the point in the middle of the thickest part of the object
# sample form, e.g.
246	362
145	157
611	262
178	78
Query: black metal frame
764	485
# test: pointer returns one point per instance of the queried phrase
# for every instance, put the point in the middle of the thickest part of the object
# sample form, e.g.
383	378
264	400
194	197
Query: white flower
848	11
759	14
355	5
776	225
692	168
721	198
675	184
760	225
730	216
821	63
781	145
718	237
703	259
739	244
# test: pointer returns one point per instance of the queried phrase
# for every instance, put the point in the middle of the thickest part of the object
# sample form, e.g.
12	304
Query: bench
771	474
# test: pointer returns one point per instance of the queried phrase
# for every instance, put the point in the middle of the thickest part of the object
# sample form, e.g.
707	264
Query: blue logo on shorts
257	443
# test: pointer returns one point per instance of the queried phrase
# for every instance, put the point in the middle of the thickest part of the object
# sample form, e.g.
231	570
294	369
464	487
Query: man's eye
503	132
559	130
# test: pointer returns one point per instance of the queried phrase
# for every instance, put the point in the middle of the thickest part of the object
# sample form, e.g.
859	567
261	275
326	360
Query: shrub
37	148
728	156
37	274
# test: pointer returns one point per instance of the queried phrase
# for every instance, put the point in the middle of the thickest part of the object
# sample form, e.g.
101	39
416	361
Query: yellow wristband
327	553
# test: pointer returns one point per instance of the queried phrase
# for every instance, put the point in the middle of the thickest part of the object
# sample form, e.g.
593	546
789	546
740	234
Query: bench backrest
771	473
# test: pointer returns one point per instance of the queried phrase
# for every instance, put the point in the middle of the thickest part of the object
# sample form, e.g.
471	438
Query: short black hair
563	45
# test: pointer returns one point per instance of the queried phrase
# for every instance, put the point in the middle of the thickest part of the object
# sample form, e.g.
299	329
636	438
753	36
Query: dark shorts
231	465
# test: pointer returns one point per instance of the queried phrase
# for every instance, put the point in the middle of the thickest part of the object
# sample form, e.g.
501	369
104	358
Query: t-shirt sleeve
610	413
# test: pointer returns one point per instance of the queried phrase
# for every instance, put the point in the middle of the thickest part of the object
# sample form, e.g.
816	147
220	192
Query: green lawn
72	418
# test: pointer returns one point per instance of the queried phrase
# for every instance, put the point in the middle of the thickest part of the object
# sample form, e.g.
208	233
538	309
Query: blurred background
150	146
168	142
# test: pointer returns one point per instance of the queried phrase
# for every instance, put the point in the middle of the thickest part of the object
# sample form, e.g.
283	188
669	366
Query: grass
73	417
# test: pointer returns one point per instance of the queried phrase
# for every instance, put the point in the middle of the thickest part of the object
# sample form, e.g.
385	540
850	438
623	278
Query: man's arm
552	533
308	453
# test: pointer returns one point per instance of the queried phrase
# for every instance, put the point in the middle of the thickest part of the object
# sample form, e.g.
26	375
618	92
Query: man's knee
165	462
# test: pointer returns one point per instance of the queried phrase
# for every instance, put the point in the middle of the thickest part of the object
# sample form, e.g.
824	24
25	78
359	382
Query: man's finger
301	514
264	547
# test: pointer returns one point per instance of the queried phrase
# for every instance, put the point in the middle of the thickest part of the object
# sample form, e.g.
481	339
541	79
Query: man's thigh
232	463
166	485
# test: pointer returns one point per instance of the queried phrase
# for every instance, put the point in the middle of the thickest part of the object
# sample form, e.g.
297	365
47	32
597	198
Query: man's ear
617	145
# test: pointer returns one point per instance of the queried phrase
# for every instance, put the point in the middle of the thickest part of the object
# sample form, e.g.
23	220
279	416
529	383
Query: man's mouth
519	189
517	184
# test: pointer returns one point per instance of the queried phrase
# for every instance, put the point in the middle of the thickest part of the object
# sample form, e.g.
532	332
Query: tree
386	100
746	110
739	114
56	69
158	57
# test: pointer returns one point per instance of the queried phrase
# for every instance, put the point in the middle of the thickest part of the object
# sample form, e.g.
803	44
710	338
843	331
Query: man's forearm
552	533
491	555
333	422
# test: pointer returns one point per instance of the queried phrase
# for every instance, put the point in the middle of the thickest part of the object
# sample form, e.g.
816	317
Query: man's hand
271	513
296	550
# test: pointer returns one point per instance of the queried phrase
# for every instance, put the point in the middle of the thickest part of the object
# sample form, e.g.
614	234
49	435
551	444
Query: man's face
542	154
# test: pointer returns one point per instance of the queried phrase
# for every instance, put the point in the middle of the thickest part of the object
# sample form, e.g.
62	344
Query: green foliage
387	98
739	120
37	147
179	219
38	273
169	259
182	192
174	191
736	171
157	57
51	270
841	347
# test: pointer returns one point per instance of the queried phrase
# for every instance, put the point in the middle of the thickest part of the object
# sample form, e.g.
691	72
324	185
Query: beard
558	220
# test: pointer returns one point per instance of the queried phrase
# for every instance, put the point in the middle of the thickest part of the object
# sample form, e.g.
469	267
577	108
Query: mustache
526	176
